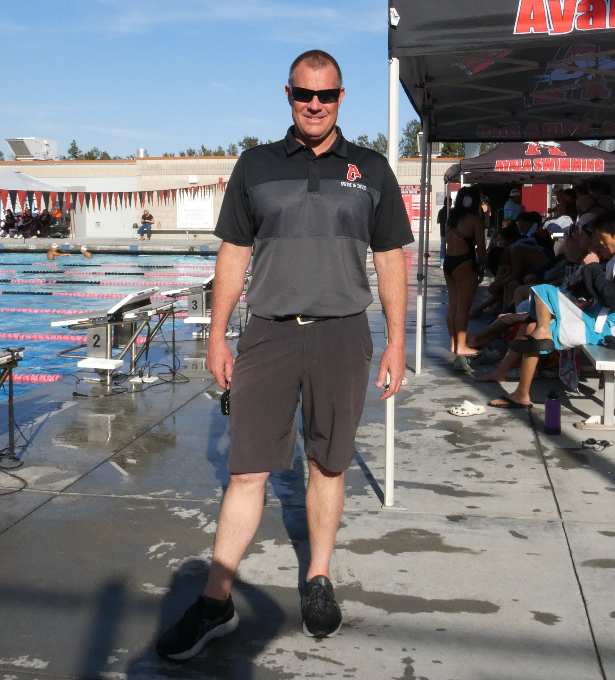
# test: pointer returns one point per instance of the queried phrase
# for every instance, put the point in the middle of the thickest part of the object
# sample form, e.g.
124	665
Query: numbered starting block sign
97	342
196	306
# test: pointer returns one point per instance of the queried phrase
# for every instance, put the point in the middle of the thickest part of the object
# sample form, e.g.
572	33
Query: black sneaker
321	614
202	622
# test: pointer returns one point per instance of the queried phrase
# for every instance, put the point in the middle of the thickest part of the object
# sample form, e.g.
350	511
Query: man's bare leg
324	503
240	516
521	395
544	316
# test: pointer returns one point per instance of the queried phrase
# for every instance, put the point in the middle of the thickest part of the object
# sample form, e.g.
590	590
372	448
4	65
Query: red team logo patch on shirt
353	173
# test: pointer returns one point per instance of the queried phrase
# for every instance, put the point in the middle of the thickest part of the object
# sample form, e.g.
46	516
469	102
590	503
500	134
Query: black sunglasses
303	95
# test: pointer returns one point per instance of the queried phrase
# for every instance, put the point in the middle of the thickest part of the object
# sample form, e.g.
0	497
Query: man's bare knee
249	481
318	468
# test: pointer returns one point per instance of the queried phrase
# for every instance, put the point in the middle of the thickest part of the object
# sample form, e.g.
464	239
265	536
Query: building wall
148	174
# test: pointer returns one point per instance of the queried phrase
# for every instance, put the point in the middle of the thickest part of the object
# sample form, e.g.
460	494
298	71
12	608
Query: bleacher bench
603	360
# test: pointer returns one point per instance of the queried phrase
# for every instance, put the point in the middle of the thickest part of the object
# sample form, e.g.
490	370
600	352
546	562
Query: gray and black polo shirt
311	219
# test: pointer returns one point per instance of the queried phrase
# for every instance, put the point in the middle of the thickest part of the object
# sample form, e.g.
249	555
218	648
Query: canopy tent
512	69
502	71
509	70
14	180
534	163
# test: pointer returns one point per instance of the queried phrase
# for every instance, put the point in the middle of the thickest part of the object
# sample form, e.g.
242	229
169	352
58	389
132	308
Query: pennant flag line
100	199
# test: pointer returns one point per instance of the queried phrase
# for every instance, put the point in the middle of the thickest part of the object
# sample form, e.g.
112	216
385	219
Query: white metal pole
427	228
419	275
392	155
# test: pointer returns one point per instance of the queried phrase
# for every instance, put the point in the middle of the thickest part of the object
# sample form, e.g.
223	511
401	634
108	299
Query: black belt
302	319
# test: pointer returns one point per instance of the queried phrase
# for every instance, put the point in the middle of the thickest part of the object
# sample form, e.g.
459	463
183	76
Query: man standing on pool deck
311	205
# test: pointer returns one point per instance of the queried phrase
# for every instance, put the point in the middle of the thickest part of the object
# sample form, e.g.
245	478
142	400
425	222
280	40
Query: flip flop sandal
596	445
509	403
548	374
462	364
477	359
530	345
485	356
467	409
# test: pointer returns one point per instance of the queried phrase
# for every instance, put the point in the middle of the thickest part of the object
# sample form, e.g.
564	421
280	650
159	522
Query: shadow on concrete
226	658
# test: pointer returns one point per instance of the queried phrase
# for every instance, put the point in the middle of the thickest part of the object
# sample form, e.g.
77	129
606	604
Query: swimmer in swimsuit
465	251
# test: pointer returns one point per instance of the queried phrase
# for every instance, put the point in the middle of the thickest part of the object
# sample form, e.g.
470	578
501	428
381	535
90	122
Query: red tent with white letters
534	163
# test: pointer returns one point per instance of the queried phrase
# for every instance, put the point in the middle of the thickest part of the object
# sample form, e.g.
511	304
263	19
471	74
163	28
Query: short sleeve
391	226
235	224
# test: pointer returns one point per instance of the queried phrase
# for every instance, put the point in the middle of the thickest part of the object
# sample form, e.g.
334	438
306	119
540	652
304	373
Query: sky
166	75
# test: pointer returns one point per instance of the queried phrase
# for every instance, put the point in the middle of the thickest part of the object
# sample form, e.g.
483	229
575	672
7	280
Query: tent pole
427	254
392	155
419	274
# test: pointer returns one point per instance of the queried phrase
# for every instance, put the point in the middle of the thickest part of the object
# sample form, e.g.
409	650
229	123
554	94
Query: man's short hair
315	59
605	223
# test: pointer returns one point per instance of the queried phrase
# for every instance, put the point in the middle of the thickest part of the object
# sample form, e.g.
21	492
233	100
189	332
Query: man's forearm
393	290
231	265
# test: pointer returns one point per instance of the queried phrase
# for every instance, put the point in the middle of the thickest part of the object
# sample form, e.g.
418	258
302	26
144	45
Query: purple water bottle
553	414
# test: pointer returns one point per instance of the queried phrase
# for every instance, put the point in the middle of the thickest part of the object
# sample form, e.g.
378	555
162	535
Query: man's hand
590	258
393	362
220	362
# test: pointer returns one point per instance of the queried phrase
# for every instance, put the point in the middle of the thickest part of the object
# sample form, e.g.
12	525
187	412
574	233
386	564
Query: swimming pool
35	291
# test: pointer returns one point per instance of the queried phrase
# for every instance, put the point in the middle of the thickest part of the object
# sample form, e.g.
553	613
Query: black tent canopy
500	70
534	163
508	69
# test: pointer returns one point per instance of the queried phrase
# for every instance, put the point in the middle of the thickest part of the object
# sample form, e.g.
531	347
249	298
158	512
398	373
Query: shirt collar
339	146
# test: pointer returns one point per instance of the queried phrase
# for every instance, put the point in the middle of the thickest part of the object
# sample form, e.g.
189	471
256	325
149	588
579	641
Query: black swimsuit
451	262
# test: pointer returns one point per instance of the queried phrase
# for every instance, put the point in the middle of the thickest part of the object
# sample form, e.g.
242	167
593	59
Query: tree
91	155
249	142
1	155
379	144
408	145
486	147
190	152
453	150
232	150
168	154
74	152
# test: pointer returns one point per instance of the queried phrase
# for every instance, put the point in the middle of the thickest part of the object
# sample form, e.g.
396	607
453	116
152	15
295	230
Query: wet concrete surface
500	564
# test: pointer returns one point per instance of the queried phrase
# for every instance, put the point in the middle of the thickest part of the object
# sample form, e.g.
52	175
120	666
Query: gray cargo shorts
322	365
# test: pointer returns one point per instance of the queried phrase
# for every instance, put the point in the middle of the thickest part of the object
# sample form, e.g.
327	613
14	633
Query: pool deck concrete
499	565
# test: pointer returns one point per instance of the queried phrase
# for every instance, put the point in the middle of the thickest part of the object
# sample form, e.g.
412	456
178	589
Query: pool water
35	291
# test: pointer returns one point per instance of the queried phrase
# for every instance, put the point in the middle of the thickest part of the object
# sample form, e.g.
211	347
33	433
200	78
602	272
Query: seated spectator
597	201
499	264
525	259
44	224
9	227
27	223
562	318
146	225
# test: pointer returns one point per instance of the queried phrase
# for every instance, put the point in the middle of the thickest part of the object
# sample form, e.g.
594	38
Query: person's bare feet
466	352
512	397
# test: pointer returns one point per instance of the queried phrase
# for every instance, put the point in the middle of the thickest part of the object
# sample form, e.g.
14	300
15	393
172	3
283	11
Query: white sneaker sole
330	635
217	632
